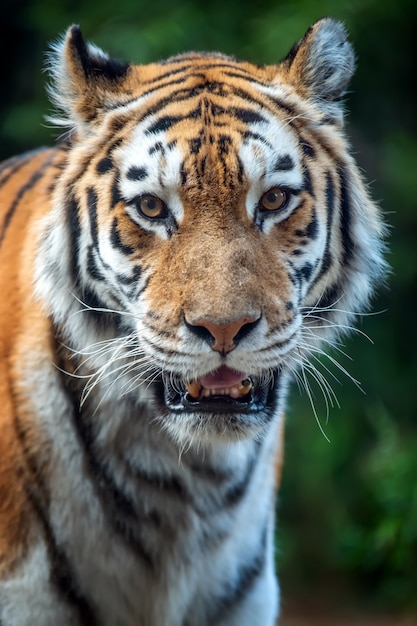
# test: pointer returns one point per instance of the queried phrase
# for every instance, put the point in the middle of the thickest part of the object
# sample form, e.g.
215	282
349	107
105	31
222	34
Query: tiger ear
85	80
321	65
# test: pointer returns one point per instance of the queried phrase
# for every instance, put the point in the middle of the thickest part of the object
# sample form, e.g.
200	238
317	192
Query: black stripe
236	492
116	241
308	185
187	64
62	577
160	332
10	164
240	170
157	147
170	486
313	226
237	591
153	315
225	65
137	173
210	474
87	297
327	257
188	92
92	199
283	163
92	213
247	116
166	122
117	507
306	271
164	351
124	279
308	149
263	100
290	110
172	72
224	142
92	268
349	245
137	291
242	75
280	343
183	173
194	145
223	149
248	134
74	228
116	195
14	164
310	232
104	165
36	176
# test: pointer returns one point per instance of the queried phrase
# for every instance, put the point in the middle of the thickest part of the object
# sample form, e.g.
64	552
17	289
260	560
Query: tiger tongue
222	378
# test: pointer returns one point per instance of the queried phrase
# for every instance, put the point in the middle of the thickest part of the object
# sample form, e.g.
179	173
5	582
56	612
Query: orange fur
23	327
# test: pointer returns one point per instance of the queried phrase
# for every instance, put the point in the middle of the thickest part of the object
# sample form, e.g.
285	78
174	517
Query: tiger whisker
310	395
88	307
323	383
104	373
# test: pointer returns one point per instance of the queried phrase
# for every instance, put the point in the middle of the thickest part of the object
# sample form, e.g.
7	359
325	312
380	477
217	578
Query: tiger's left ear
85	81
321	65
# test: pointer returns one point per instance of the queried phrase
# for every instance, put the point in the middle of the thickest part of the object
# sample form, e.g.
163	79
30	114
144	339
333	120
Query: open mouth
221	391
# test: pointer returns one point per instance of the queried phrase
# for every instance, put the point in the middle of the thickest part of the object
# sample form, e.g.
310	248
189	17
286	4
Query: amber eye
273	199
152	207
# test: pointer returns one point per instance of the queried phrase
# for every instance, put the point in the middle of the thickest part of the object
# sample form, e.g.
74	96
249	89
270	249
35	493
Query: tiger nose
224	337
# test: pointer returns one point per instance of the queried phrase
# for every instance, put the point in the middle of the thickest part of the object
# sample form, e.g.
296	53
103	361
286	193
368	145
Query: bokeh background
347	510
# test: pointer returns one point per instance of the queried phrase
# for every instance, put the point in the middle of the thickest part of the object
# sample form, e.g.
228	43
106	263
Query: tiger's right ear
85	81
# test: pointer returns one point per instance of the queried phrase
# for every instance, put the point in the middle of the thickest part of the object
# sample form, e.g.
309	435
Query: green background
347	509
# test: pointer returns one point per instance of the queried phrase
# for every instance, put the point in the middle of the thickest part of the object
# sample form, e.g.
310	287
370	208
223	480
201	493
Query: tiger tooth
245	386
194	388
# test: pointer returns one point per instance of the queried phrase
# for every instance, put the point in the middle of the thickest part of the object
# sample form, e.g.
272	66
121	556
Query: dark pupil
151	203
272	197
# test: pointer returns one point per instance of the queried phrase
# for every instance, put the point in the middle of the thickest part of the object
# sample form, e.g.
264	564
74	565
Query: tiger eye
273	199
151	206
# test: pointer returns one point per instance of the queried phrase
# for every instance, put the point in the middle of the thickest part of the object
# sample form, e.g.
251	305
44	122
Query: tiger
199	233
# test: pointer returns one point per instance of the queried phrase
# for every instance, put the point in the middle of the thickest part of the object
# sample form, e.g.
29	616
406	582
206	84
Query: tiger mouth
222	391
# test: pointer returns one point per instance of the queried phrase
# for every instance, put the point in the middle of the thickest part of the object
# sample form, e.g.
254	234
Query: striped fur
202	226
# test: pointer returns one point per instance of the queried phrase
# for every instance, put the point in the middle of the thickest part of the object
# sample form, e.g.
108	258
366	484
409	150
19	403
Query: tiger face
218	314
221	230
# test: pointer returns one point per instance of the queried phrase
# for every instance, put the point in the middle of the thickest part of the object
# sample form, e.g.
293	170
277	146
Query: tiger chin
198	236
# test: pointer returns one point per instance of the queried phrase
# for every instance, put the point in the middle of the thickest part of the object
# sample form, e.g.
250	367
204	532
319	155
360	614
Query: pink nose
226	335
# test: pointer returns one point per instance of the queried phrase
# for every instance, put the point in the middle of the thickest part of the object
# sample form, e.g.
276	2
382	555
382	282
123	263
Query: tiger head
210	231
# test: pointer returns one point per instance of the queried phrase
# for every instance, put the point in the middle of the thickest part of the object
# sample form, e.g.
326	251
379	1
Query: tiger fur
199	233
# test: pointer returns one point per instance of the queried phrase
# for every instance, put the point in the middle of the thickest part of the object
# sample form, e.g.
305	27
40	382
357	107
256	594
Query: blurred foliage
347	509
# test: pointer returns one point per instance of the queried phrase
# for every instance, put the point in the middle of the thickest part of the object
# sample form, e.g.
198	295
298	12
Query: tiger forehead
214	69
195	117
213	90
